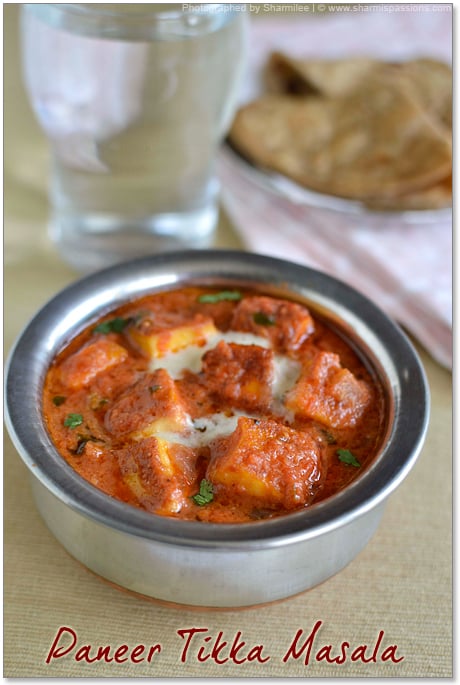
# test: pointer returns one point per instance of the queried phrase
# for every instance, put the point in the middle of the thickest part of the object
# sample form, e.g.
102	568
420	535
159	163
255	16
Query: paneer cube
158	473
152	405
328	393
267	462
156	342
286	324
97	356
241	376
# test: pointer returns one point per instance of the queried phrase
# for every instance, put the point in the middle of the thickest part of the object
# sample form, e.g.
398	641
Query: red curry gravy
219	406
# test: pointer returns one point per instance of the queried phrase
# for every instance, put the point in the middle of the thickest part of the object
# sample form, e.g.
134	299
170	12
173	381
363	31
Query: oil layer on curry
220	406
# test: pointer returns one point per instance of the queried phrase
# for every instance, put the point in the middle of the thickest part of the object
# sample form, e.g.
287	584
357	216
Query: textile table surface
395	597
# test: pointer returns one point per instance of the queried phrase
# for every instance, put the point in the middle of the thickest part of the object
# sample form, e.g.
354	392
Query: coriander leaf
58	400
211	298
205	494
262	319
115	325
96	402
82	440
348	458
81	443
328	437
154	388
73	420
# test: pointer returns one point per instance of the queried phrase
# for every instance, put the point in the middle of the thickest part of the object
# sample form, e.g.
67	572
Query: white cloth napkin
405	267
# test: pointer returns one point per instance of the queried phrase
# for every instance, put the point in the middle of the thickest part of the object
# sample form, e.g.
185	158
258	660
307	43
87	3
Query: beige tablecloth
398	590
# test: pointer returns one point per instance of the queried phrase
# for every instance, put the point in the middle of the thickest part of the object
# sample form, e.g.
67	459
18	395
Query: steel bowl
203	564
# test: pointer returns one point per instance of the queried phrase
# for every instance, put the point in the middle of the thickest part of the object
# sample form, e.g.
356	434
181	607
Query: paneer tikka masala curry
222	406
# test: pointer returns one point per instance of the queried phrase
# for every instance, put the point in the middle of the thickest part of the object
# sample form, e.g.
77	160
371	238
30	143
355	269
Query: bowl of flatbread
352	134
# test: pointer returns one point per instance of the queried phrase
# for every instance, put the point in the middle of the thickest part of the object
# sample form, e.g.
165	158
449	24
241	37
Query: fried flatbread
375	142
432	84
437	196
291	76
429	79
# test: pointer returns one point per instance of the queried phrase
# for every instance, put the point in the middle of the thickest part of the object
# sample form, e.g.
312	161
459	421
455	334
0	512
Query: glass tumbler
135	100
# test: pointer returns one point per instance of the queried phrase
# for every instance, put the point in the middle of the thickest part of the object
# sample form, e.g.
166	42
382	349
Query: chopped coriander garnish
116	325
82	440
96	402
73	420
328	437
81	443
262	319
348	458
205	495
58	400
211	298
154	388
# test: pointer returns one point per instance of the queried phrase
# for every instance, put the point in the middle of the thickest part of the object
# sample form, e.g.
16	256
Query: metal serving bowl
203	564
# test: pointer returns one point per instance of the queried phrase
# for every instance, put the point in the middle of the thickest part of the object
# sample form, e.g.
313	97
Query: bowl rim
378	338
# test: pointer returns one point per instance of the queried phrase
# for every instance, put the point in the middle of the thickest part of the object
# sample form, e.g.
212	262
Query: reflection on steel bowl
203	562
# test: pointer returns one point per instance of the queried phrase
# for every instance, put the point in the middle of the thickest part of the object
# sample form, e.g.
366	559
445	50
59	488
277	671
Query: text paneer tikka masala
220	406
